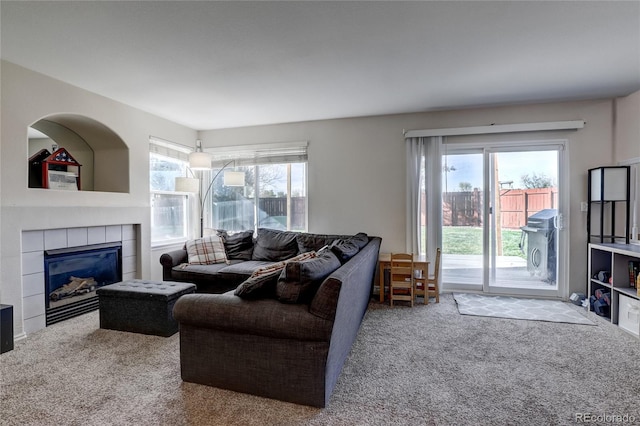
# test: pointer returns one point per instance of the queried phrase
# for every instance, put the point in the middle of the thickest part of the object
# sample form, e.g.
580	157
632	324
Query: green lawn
468	240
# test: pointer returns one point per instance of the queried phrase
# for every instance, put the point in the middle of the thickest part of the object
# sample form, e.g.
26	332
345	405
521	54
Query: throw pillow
344	249
259	287
300	280
273	245
238	245
206	251
360	239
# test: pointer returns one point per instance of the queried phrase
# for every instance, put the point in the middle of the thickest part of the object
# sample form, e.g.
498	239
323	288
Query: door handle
558	221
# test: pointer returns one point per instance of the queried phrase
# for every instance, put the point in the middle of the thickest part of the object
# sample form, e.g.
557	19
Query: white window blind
281	153
169	149
170	211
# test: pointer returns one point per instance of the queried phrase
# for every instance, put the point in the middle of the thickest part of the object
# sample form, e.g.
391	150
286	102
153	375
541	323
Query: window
275	191
169	209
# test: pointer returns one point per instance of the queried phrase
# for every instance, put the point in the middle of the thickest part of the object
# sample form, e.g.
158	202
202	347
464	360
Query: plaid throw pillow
206	251
280	265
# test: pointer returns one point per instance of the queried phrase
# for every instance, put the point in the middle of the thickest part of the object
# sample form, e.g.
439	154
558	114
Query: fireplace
72	276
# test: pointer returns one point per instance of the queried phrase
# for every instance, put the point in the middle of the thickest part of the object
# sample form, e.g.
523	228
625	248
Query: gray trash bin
540	234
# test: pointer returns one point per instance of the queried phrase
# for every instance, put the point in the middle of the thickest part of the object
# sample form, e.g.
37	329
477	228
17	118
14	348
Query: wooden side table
420	263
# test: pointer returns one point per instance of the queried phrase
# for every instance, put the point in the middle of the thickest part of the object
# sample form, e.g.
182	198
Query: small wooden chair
401	285
432	287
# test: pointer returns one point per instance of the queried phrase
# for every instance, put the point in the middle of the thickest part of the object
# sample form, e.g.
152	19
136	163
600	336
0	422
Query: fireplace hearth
72	276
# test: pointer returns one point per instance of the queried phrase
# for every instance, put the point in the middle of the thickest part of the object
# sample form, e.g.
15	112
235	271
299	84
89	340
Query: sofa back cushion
314	242
273	245
238	245
300	280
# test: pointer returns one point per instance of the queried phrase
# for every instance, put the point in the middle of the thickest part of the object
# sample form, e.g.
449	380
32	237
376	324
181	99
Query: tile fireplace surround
34	243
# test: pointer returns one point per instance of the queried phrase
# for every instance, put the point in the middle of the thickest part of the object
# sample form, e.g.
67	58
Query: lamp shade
199	160
233	178
187	184
609	183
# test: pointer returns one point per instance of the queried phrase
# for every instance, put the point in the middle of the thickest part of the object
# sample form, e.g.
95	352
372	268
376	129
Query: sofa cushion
259	286
207	278
206	250
274	245
344	249
238	245
244	268
211	269
300	279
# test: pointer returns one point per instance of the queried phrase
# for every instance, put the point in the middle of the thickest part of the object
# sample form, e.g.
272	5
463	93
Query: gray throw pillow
274	246
238	245
360	239
299	281
344	249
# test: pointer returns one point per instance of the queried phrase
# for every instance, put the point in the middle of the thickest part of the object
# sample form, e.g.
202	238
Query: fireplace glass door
73	275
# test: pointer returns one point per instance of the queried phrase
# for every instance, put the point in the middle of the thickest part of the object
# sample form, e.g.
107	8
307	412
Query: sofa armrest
170	259
264	317
173	258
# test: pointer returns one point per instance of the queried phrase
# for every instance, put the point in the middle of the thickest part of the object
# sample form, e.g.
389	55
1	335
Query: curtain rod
493	128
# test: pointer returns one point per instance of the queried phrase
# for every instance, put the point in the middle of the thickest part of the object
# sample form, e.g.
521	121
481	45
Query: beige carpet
425	365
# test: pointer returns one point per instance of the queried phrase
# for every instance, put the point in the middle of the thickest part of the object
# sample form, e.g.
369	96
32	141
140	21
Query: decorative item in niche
55	171
91	143
35	168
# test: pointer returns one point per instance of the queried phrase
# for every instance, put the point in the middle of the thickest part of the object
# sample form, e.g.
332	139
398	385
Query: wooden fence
516	205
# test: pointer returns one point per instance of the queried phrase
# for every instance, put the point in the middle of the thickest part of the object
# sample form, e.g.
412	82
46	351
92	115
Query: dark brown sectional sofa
267	343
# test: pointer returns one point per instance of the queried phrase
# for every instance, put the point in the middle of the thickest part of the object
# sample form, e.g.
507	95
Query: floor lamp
199	160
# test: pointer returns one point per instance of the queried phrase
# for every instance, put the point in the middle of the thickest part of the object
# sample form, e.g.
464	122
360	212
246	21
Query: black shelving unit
608	189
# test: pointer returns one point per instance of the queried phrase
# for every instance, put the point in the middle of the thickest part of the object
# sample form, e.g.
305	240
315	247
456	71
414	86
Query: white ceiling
214	65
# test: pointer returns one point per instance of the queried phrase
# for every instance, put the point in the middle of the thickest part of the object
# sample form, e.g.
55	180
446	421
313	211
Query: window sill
168	244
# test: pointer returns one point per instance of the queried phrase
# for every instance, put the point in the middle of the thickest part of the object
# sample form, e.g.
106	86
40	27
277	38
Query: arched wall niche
102	153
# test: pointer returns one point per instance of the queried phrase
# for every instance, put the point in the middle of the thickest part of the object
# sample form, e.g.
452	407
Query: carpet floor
425	365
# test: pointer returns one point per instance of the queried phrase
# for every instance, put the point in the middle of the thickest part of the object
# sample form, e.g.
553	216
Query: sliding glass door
501	219
463	234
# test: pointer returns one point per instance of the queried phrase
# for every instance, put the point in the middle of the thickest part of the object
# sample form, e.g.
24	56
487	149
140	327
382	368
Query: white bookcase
625	302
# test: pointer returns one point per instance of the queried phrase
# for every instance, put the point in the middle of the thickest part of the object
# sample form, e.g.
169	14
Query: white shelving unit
625	302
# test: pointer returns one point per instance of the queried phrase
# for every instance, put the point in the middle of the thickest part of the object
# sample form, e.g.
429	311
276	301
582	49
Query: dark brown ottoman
141	306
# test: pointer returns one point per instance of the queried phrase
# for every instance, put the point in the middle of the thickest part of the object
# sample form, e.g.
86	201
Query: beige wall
627	149
27	97
357	166
627	128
